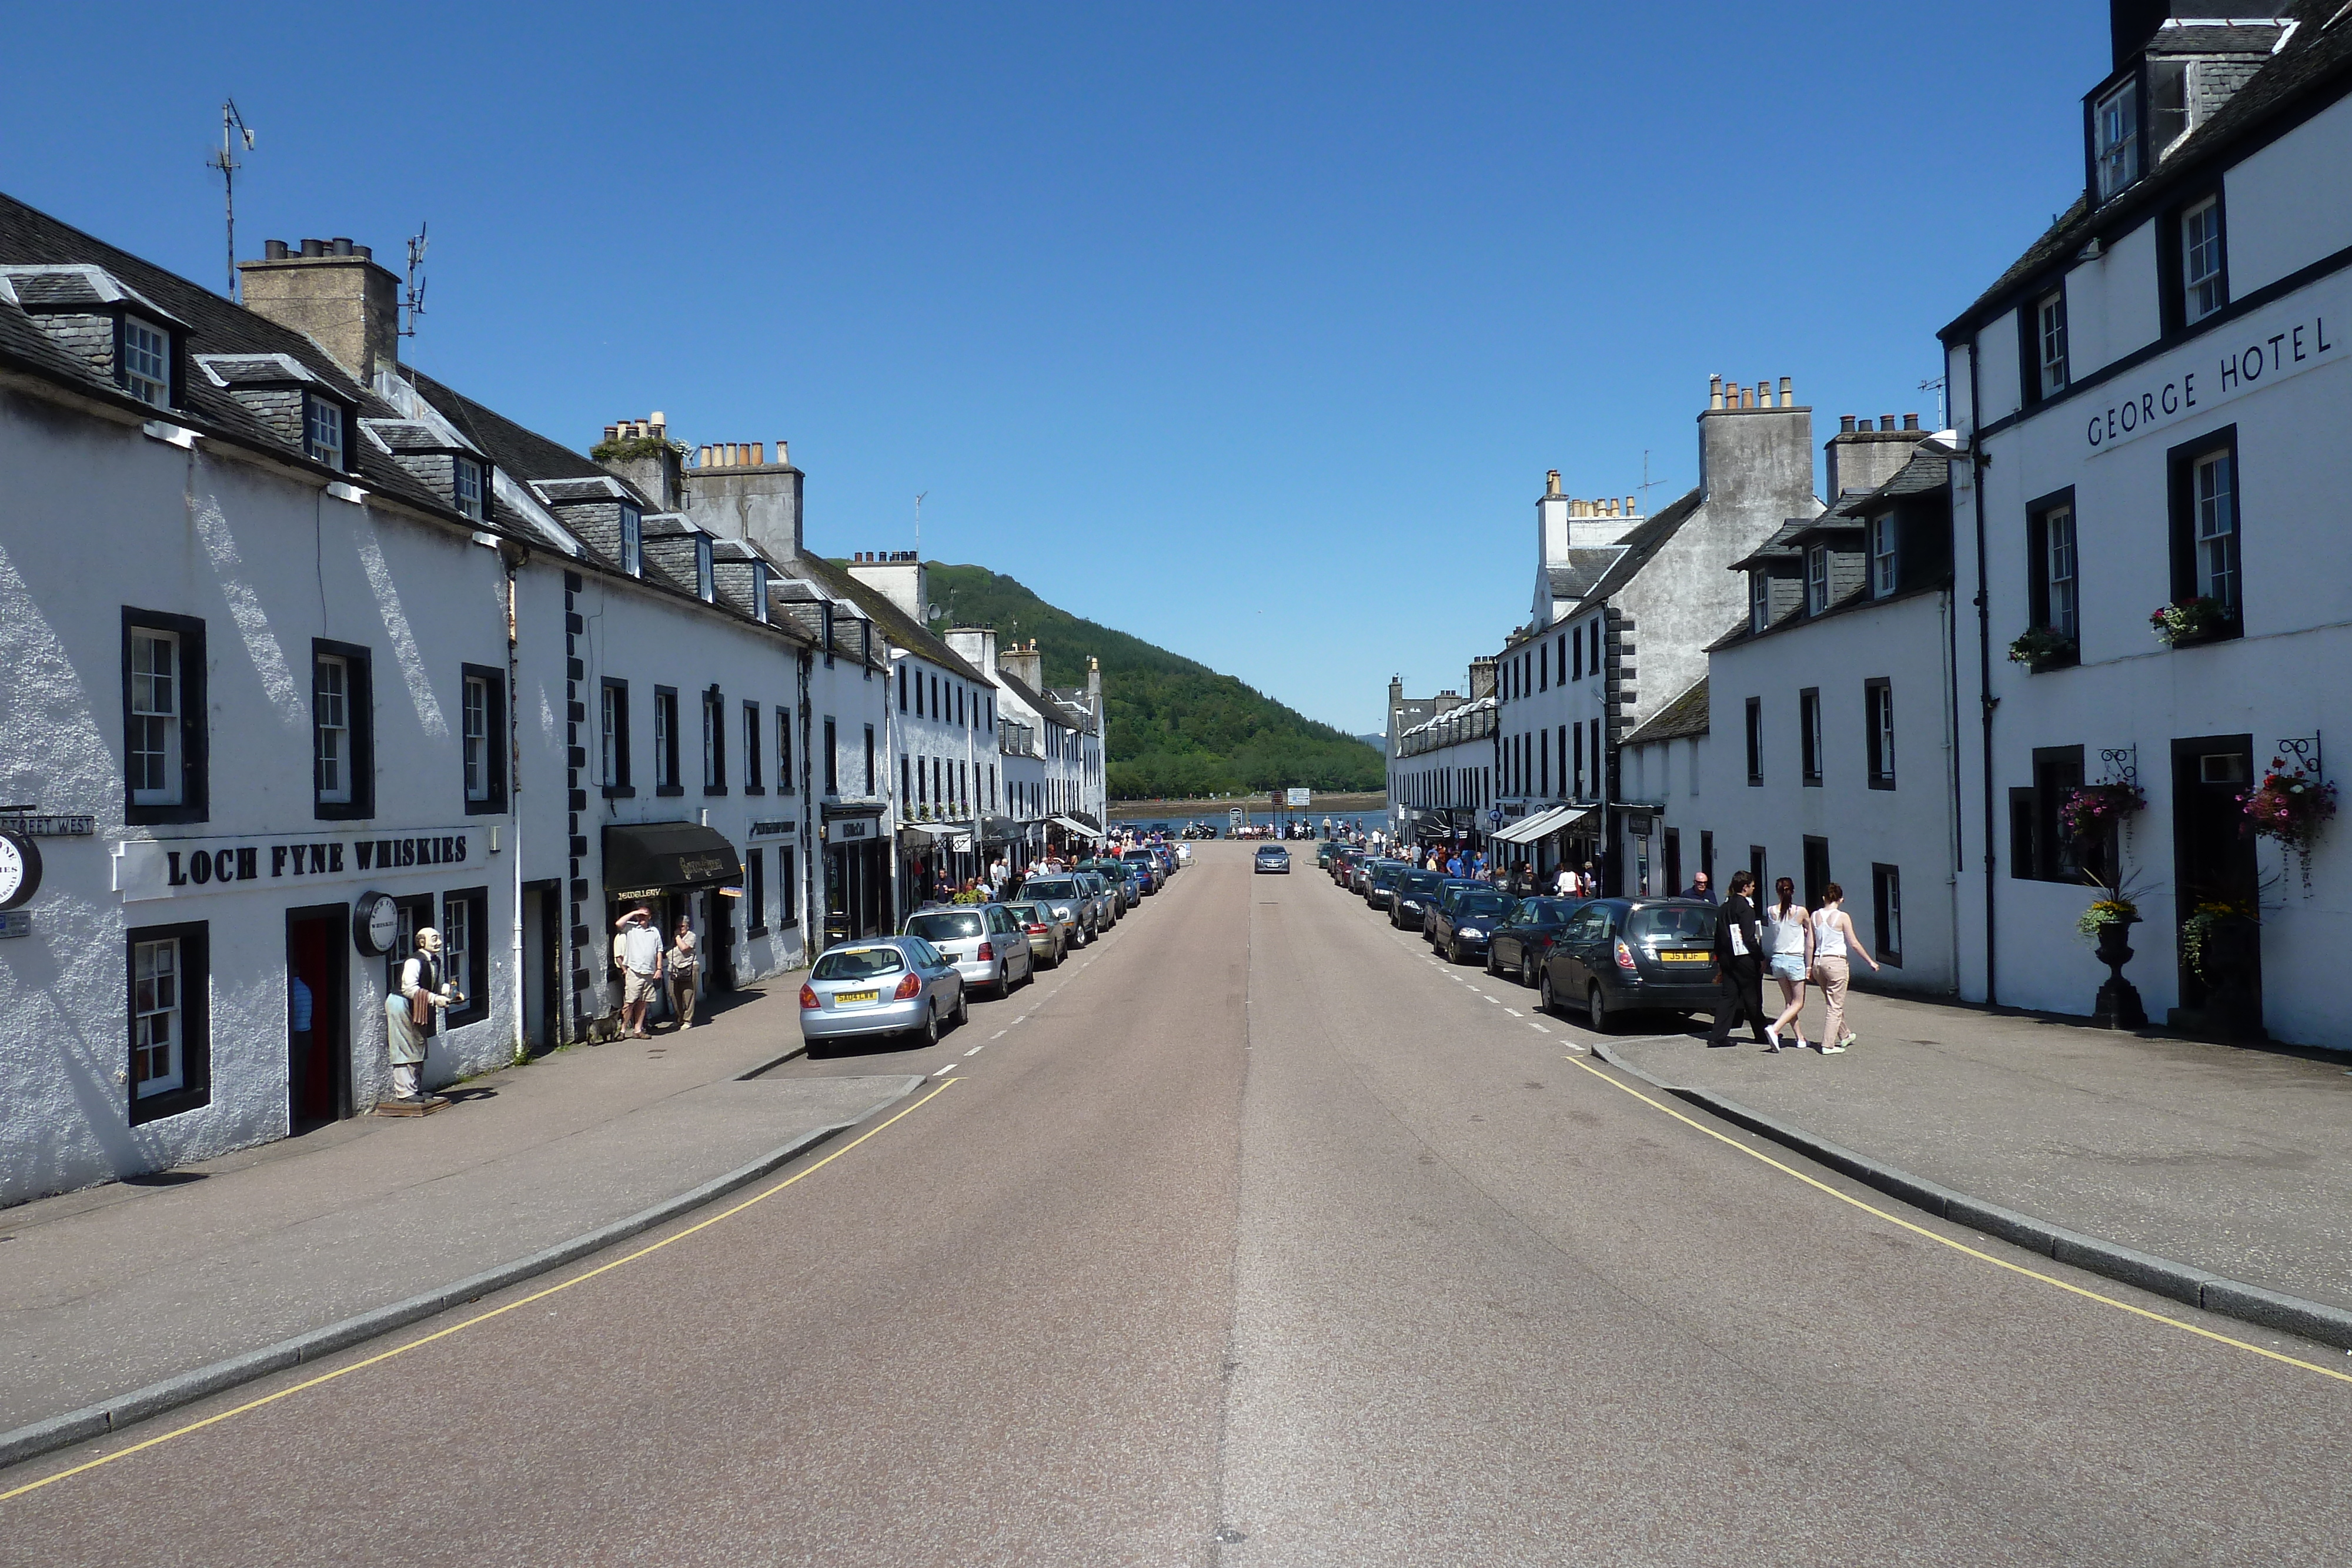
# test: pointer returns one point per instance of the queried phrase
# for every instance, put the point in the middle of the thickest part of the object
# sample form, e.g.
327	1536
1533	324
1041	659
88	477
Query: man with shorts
641	968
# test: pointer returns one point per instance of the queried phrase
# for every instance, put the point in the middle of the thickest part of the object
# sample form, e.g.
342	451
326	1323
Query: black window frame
195	771
2172	258
2039	848
714	740
1814	866
1755	743
2180	484
1877	743
831	756
194	977
902	687
868	774
788	907
1707	855
2038	513
665	742
494	681
360	699
1809	736
787	780
2029	343
755	891
620	787
752	785
477	981
1886	894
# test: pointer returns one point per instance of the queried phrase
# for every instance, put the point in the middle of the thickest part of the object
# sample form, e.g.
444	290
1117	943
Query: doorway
1817	870
542	959
318	1016
2213	865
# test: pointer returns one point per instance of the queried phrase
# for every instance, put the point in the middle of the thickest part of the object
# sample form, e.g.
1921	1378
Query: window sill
495	806
1813	783
177	1103
1756	781
755	789
1882	783
714	789
619	792
2230	634
669	789
336	811
162	816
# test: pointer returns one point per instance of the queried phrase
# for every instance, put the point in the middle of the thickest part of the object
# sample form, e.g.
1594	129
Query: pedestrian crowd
1796	946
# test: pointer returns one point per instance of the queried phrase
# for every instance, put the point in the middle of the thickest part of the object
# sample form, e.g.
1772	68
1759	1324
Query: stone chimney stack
1755	455
1551	522
731	492
333	292
976	645
1026	665
1482	677
1860	458
640	451
1094	689
900	577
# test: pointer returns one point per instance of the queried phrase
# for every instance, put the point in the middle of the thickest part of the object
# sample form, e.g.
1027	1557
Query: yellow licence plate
840	996
1685	957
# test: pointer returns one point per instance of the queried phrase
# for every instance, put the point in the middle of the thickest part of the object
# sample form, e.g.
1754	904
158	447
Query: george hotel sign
177	868
2241	357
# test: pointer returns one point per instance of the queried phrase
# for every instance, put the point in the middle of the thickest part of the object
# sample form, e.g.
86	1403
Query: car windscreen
1026	914
1386	873
858	964
952	926
1482	906
1542	912
1050	887
1668	923
1421	881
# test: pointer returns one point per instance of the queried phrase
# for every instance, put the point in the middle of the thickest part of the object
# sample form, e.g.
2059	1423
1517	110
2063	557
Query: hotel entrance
318	1016
2216	887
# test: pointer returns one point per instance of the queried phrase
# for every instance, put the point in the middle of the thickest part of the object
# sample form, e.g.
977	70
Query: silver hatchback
1073	903
884	985
987	947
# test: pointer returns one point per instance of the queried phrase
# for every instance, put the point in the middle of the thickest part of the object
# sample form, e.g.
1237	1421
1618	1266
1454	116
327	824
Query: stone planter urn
2119	1004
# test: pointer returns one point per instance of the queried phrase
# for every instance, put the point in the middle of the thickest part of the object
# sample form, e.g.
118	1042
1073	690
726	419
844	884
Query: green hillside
1177	728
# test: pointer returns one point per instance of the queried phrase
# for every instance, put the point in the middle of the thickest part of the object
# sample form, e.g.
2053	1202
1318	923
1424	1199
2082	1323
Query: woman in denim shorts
1788	949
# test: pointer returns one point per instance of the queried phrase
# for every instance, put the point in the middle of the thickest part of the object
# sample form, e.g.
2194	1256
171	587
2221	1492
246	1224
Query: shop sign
16	923
180	868
46	825
774	829
961	843
2234	359
850	827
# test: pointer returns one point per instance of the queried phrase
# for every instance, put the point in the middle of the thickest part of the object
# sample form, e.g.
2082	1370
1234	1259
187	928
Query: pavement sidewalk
111	1289
2233	1160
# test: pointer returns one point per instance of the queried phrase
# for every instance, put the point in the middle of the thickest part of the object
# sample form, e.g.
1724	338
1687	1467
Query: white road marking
1536	1027
1514	1014
997	1035
1496	1000
976	1050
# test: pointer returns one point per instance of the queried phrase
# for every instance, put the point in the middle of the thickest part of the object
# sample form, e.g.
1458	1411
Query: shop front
677	871
858	896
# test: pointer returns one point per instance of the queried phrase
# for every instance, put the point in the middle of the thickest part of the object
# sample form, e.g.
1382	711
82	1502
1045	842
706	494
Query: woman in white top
1789	950
1834	937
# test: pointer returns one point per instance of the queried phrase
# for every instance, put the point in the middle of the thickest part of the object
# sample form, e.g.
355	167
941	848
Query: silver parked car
881	986
1049	934
1072	902
986	945
1108	904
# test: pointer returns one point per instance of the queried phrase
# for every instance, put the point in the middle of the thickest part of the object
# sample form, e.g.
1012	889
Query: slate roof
1644	542
35	245
1779	546
894	623
2314	69
252	370
1685	716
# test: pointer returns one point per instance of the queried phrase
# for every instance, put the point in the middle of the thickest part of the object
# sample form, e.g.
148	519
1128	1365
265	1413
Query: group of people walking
1797	947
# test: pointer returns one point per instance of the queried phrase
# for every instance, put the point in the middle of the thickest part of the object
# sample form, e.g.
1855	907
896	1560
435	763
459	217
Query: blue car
1271	858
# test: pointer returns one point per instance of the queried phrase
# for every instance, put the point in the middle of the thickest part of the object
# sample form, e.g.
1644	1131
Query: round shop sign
375	923
20	869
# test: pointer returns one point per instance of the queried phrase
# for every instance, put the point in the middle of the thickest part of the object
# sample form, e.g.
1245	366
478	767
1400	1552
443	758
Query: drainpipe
512	556
1986	700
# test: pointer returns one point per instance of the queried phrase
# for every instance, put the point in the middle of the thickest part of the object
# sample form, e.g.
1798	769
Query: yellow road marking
483	1317
1961	1246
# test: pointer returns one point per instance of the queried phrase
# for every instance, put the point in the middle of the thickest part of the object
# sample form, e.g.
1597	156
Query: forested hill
1177	728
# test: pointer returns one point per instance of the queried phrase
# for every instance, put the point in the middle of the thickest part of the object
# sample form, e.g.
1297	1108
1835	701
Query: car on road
992	952
1066	898
1270	858
1183	854
1048	932
1381	879
1415	892
1144	861
1323	853
1520	943
1109	905
881	986
1462	926
1448	891
1619	956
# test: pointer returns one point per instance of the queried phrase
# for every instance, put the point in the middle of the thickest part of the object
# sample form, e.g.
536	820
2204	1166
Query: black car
1464	921
1631	955
1450	890
1416	891
1381	882
1519	945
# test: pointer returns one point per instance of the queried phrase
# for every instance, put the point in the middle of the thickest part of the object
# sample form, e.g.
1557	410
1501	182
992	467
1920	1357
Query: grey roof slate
1585	566
253	370
1685	716
894	622
1644	542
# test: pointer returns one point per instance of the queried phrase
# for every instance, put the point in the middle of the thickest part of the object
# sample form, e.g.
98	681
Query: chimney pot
1628	506
758	452
781	458
1885	422
1910	422
1763	394
343	245
1845	425
314	248
1714	392
661	420
273	250
1788	393
1551	483
702	457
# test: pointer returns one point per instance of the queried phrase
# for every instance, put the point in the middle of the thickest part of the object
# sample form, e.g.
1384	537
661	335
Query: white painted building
2153	394
1442	770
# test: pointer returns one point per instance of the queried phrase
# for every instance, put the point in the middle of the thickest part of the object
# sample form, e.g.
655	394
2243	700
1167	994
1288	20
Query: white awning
1527	830
1080	829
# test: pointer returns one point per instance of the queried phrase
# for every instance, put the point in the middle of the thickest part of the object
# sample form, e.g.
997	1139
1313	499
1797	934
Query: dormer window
633	540
322	431
468	487
1759	601
1883	564
146	362
705	588
2115	139
1817	579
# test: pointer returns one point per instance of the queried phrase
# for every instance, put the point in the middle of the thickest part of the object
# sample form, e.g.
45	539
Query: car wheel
929	1032
1453	952
1596	1011
1543	992
1492	967
1527	971
818	1050
963	1007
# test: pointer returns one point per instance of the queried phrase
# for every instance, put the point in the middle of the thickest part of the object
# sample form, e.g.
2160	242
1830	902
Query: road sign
1301	796
1495	819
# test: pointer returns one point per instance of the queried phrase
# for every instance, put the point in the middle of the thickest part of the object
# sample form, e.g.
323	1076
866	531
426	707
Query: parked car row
1599	958
923	980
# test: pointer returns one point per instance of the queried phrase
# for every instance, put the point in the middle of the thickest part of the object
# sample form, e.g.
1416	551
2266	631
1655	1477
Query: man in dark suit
1739	965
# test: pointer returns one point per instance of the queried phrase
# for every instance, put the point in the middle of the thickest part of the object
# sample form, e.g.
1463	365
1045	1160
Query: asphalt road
1256	1237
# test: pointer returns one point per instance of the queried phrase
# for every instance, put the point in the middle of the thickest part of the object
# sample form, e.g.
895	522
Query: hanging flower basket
2291	806
2041	649
2089	811
2188	620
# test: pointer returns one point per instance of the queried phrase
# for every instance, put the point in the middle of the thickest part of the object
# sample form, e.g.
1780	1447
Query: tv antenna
1935	385
233	125
414	300
1646	481
918	525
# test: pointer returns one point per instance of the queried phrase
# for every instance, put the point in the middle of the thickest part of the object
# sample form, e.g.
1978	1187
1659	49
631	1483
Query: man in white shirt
641	968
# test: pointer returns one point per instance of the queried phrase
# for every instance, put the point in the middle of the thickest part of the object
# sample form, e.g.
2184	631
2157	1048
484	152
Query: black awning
648	856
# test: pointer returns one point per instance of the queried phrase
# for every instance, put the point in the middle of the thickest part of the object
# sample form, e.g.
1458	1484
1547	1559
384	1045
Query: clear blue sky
1248	330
